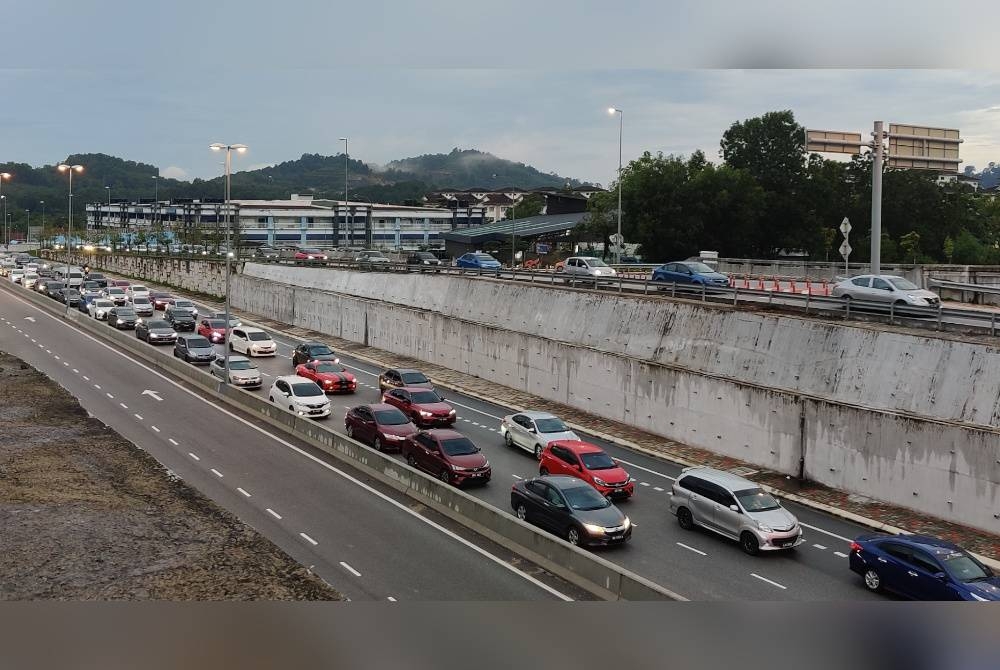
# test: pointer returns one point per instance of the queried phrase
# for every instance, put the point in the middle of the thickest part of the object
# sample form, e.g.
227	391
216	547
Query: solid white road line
273	513
194	456
765	579
840	553
243	492
697	551
350	569
825	532
310	540
216	472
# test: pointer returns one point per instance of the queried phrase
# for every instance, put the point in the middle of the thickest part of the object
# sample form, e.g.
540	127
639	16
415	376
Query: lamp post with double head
64	167
228	148
621	124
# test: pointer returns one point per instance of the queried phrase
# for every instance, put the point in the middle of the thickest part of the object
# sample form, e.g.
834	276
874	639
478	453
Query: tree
530	205
967	249
949	248
829	235
770	147
910	243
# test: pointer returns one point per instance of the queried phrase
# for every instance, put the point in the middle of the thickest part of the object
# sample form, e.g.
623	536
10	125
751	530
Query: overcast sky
158	83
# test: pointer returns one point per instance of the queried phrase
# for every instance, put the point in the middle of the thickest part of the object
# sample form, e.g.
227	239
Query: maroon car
424	406
448	455
380	425
159	299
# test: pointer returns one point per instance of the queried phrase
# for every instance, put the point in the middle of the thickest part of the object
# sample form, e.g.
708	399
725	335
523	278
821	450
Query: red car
309	255
448	455
214	330
331	377
380	425
160	299
588	462
120	283
424	406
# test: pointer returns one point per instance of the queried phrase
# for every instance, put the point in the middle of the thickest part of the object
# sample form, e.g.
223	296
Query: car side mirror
735	508
940	576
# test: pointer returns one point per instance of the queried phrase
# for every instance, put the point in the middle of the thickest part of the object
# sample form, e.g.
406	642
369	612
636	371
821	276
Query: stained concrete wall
207	277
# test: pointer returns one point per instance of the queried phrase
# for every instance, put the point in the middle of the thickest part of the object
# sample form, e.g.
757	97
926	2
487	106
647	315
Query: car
477	260
885	289
424	406
49	287
370	259
160	299
267	252
689	274
70	296
29	280
194	349
233	321
920	567
181	303
142	306
213	330
307	254
242	371
84	303
572	509
155	331
119	283
89	285
588	268
16	275
99	308
98	278
590	463
733	507
380	425
395	378
137	290
180	320
117	295
122	318
332	377
448	455
423	260
252	342
312	351
532	431
301	396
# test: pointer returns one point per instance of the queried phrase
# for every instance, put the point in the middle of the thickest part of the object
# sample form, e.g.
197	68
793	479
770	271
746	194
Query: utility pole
876	248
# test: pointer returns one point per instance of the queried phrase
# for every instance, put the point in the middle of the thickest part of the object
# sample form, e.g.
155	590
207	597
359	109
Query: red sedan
214	330
589	463
380	425
448	455
310	255
331	377
424	406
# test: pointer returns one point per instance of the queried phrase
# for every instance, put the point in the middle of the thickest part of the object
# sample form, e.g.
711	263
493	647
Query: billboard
923	148
833	142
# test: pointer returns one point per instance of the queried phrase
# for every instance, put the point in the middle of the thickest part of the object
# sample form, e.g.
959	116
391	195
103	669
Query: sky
158	83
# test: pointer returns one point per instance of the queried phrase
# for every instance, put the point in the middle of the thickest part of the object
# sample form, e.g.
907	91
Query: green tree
967	249
829	236
530	205
910	243
949	248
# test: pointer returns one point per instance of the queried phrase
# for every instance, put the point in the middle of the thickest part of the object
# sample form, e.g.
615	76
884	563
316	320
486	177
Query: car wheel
377	444
350	431
445	476
538	452
291	408
544	472
685	519
508	439
270	398
573	536
137	335
411	461
872	581
522	513
749	543
231	347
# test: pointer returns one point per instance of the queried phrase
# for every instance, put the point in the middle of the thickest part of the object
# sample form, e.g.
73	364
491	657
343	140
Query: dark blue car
477	260
690	273
921	568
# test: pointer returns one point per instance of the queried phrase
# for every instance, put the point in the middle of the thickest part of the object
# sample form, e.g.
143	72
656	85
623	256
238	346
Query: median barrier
593	573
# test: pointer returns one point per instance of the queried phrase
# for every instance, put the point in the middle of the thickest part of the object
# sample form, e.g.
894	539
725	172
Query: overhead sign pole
876	258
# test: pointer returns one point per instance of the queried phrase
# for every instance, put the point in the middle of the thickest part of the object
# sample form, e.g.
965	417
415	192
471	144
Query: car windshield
198	343
698	267
390	417
483	257
756	500
585	498
140	289
158	324
141	301
595	262
320	350
115	291
125	312
103	303
213	323
241	365
414	378
552	425
328	367
964	568
182	314
903	284
424	397
598	460
258	337
186	304
459	446
306	390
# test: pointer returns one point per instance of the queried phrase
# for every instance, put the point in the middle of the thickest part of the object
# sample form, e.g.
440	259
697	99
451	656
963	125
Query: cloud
174	172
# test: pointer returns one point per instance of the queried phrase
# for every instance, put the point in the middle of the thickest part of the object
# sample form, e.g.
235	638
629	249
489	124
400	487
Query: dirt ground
86	515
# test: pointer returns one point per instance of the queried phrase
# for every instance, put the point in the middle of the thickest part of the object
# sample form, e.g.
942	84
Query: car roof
188	336
241	359
413	388
249	329
294	379
314	344
725	479
444	433
535	415
404	370
578	446
379	406
933	545
564	481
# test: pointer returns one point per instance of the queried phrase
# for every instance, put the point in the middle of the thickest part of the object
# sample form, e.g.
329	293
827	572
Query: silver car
242	371
532	431
886	289
587	267
733	507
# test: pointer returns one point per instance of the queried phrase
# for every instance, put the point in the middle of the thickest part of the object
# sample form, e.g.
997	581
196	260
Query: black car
180	319
313	351
155	331
122	317
51	289
100	280
423	259
570	508
91	285
70	296
194	349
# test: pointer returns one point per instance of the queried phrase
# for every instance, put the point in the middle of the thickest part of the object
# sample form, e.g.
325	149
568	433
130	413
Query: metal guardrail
959	286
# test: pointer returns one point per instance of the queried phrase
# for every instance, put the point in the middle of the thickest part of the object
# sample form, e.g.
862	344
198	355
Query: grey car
587	267
886	289
733	507
142	305
571	509
194	349
371	259
532	431
242	371
155	331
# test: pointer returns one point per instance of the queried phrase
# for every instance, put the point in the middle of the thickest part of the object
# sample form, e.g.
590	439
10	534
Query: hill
469	168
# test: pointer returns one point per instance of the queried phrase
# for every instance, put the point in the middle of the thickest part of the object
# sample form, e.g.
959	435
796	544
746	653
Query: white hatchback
252	342
302	396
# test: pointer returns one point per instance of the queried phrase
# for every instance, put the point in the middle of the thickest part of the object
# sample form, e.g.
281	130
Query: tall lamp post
621	124
42	203
347	166
63	167
27	230
228	148
6	233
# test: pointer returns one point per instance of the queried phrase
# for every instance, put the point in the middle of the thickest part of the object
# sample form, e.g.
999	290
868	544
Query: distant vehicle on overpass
886	289
691	273
477	260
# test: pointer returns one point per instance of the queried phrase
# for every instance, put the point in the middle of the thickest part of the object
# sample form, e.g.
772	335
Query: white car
886	289
137	291
181	303
587	267
16	275
116	295
532	431
242	371
252	342
99	308
29	280
301	396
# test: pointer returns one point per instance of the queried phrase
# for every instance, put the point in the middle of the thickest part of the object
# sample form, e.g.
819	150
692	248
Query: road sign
845	250
833	142
617	240
923	148
845	226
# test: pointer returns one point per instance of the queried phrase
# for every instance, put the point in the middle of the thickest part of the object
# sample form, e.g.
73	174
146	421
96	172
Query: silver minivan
733	507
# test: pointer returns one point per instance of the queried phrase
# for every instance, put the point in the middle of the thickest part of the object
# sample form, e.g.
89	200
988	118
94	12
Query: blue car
920	567
690	273
477	260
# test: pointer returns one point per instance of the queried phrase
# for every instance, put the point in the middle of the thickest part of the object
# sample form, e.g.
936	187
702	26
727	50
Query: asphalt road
697	564
365	540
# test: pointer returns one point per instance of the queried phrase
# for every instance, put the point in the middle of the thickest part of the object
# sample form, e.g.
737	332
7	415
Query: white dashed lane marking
819	546
124	406
243	492
172	441
273	513
110	396
216	472
309	540
765	579
155	429
840	553
138	416
350	569
194	456
697	551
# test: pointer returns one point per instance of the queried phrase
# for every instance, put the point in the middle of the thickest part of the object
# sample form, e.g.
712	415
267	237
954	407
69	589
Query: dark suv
194	349
180	319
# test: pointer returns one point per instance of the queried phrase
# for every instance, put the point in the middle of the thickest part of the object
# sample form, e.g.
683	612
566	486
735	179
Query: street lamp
229	148
42	203
346	167
27	230
6	233
63	167
621	124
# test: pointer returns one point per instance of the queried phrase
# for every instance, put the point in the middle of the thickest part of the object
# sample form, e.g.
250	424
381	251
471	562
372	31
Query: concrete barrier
588	571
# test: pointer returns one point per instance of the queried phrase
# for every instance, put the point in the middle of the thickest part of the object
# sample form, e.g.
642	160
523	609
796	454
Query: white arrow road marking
29	318
154	394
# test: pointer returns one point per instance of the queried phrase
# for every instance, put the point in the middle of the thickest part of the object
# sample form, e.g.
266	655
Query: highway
699	565
365	540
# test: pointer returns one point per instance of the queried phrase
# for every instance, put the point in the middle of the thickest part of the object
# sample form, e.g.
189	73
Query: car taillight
855	547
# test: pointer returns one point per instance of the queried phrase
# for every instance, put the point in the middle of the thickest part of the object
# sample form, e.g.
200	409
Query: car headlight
121	320
457	468
594	529
764	528
452	412
395	438
599	481
425	413
627	523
